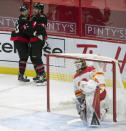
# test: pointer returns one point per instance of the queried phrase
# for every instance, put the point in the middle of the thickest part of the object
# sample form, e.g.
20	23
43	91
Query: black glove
46	45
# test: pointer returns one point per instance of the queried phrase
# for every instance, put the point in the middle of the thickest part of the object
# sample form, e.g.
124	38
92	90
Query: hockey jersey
38	26
92	79
20	32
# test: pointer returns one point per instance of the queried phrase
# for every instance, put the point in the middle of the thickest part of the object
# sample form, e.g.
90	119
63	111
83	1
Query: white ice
23	108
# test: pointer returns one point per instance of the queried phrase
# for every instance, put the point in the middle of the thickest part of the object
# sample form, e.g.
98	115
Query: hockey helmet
39	6
80	64
23	8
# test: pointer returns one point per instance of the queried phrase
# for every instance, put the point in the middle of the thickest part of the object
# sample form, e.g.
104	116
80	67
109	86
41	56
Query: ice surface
23	108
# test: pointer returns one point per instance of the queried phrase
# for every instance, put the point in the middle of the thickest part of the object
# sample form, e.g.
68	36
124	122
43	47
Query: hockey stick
96	103
95	120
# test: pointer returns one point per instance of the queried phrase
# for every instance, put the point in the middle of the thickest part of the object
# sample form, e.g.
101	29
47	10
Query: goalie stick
91	120
84	117
96	106
95	120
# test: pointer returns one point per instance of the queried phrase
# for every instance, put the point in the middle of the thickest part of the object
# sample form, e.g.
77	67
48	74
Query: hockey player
20	39
37	40
86	81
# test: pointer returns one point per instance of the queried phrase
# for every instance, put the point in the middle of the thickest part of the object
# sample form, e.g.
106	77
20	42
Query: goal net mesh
60	83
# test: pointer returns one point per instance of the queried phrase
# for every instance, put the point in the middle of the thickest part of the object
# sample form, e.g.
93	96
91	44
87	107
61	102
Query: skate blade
41	84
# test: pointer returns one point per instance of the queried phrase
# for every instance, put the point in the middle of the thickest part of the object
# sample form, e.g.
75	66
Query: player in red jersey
38	24
21	41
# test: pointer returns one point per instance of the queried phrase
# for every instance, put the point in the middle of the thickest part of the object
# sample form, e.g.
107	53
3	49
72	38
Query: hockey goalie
87	82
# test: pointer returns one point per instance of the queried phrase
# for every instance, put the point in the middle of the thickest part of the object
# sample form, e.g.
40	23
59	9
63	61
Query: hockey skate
103	113
22	78
36	78
41	80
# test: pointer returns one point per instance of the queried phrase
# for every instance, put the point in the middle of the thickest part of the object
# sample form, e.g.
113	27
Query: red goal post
87	57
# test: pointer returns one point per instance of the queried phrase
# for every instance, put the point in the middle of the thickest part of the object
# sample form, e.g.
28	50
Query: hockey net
60	91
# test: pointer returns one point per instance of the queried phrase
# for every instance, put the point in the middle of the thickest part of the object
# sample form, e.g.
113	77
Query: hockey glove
39	36
46	45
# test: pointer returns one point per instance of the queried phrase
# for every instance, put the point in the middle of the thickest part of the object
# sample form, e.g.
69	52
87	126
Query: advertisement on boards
109	49
9	56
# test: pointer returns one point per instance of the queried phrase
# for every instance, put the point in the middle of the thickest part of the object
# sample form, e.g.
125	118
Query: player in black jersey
37	40
21	40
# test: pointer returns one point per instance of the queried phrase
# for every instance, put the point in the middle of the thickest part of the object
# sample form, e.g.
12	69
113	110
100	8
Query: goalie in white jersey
86	80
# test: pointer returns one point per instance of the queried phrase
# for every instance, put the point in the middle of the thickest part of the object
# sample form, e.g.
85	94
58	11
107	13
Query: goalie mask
80	65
